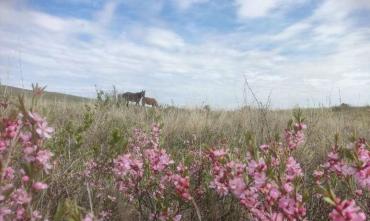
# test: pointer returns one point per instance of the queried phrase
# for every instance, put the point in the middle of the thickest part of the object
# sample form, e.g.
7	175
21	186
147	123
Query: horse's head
142	93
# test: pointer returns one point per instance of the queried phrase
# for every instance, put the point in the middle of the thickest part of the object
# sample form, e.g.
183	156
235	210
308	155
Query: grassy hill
54	96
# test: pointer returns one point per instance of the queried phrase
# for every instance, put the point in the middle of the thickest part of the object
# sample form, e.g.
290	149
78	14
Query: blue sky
192	52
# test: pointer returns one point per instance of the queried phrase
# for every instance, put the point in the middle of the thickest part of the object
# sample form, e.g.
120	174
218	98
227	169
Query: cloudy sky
191	52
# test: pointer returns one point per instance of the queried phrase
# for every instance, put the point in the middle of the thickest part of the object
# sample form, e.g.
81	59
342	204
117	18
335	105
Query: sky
192	52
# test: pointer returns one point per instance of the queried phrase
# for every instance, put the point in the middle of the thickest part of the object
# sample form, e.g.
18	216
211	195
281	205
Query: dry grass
86	130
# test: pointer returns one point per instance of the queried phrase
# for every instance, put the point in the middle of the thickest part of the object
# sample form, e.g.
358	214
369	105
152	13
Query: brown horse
149	101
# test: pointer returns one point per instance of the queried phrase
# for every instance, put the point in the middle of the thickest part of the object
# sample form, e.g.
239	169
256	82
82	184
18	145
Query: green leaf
328	200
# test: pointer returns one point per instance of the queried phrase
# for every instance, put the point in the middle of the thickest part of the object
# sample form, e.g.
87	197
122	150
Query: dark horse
133	97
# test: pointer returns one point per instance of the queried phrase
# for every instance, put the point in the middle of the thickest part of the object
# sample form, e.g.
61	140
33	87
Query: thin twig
90	200
196	209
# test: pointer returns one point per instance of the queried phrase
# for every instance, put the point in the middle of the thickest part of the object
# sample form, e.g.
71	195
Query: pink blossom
4	211
3	145
219	183
158	159
363	155
287	204
295	137
20	213
347	210
155	131
264	147
9	173
39	186
43	159
177	217
11	128
128	165
218	153
20	196
35	215
43	130
293	169
254	167
274	193
89	217
362	177
25	137
288	187
35	117
182	185
237	186
249	198
277	217
25	178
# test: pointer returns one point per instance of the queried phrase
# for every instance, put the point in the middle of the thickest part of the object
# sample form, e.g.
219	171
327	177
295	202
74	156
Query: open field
88	131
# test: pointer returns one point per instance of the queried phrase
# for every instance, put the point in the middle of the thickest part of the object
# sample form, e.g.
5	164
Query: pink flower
287	204
274	193
4	211
35	117
36	215
220	187
9	173
347	210
127	165
25	178
218	153
20	196
39	186
288	187
182	185
362	177
20	213
295	137
264	147
11	128
29	153
293	169
43	130
236	168
363	155
249	199
177	217
254	166
237	186
277	217
43	159
3	145
25	137
158	159
89	217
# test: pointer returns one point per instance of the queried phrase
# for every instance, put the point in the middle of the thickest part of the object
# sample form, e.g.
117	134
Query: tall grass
101	131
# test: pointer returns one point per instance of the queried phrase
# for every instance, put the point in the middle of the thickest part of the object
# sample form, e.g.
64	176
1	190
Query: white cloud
292	31
250	8
333	10
261	8
164	38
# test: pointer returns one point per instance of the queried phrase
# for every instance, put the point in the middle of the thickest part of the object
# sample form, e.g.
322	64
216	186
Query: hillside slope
15	91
